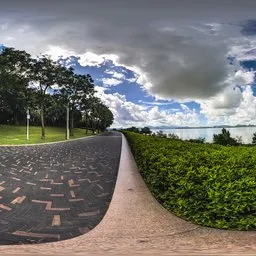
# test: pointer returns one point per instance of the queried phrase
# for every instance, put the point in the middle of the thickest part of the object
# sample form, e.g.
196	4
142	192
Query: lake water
245	132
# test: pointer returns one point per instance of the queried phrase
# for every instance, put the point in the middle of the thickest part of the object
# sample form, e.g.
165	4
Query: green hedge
207	184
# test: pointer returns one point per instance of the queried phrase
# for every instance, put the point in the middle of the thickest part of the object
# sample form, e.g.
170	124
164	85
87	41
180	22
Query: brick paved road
56	191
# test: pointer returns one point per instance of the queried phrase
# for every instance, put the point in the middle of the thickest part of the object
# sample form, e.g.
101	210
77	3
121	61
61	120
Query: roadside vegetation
223	138
49	94
207	184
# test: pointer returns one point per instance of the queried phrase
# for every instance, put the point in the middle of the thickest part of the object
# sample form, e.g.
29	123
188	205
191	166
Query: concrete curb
136	224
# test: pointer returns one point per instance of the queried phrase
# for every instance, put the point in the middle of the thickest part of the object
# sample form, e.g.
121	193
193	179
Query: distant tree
95	113
239	140
199	140
161	134
104	117
146	130
224	138
254	138
173	136
133	129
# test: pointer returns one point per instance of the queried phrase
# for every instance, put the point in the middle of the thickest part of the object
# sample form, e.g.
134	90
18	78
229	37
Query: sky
154	63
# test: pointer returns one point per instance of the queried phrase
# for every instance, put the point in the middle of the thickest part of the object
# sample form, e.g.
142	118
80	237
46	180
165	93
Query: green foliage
146	130
254	138
173	136
199	140
208	184
133	129
161	134
224	138
14	93
47	89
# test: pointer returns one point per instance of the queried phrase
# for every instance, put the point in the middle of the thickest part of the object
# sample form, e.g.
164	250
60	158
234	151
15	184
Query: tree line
224	138
49	91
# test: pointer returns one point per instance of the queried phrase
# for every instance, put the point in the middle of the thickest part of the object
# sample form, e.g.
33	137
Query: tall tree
30	83
14	80
44	74
76	91
83	90
105	116
101	116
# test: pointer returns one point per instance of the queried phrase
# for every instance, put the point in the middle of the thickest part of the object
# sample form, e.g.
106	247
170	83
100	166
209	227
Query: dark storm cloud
174	43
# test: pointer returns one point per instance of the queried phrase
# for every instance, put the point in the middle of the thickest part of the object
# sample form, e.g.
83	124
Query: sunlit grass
15	135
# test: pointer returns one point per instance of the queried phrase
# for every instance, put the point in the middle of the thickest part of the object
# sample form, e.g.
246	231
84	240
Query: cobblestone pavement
56	191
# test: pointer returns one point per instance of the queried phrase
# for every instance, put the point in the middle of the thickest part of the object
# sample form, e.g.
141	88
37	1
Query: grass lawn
16	135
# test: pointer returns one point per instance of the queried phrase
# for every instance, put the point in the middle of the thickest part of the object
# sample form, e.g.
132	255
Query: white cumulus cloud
128	114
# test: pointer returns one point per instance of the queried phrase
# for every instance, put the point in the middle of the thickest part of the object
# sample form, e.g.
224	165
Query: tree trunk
98	126
15	116
67	123
42	123
42	111
86	125
72	123
93	126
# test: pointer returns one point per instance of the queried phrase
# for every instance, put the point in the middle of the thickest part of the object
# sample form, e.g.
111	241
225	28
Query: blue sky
178	64
118	79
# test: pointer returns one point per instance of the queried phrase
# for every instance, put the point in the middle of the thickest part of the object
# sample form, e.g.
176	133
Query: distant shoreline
192	127
201	127
207	127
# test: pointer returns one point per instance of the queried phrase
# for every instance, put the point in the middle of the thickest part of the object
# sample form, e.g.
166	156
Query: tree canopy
224	138
46	88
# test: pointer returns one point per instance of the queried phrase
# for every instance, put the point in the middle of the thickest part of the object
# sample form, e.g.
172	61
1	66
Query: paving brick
56	191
